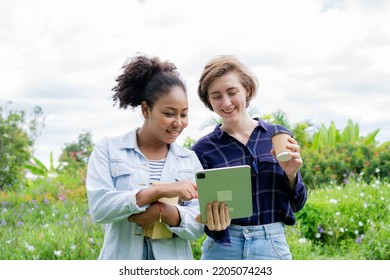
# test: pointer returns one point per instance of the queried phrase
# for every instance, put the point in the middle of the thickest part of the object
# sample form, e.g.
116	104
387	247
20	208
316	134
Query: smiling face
228	97
168	117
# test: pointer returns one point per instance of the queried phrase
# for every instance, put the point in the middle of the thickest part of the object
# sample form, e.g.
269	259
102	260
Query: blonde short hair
219	66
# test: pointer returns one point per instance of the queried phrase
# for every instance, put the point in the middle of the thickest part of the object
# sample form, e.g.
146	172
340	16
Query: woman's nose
226	100
177	122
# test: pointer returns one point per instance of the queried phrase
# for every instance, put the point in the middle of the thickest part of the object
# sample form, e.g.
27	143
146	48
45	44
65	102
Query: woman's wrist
292	179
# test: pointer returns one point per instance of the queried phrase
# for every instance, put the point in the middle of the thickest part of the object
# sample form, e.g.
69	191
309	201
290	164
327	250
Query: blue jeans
148	251
263	242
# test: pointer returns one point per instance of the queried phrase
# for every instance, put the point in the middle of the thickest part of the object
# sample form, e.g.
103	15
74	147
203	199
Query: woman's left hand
218	217
147	218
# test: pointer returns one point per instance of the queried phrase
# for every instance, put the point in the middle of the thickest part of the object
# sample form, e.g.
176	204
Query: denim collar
129	141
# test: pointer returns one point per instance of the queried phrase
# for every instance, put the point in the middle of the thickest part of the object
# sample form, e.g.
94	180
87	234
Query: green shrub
342	162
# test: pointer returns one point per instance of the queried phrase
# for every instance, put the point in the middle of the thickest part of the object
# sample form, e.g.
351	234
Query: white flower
365	205
4	210
330	232
318	235
52	175
377	170
360	224
361	194
57	253
90	240
356	232
337	213
9	241
302	240
29	247
341	229
333	200
73	247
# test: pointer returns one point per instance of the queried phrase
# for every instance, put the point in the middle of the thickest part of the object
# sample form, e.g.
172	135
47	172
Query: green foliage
334	156
17	135
49	220
188	142
36	167
331	136
338	163
344	222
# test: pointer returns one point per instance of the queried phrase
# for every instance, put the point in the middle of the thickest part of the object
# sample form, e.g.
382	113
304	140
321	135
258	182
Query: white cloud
320	60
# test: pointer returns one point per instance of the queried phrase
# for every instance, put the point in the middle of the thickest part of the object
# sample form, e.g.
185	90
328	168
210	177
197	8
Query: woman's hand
184	189
217	217
147	218
292	166
168	214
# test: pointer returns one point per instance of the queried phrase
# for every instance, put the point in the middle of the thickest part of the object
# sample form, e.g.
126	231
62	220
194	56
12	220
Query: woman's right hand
217	217
184	189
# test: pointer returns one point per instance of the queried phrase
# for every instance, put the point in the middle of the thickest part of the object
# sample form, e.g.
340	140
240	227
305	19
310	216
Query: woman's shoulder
127	140
180	150
272	128
205	141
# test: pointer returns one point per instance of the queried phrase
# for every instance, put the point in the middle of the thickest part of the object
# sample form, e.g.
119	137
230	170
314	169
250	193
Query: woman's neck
241	130
152	150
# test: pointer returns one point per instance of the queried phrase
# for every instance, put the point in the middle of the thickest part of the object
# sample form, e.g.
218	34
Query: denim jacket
117	171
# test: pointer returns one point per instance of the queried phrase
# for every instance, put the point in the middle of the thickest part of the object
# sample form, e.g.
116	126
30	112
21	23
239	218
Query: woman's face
169	116
228	97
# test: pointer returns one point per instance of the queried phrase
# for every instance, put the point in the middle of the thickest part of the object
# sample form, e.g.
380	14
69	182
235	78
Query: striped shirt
272	198
155	169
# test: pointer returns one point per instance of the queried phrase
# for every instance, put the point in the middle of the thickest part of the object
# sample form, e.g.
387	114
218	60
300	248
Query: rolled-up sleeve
299	195
106	204
189	228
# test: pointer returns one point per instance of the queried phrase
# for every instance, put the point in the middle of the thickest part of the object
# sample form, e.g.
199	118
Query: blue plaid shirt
273	200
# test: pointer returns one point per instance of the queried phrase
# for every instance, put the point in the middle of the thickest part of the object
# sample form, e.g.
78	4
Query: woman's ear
248	96
145	109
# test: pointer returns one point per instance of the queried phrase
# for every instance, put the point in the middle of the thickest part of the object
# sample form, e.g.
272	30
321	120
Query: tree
77	153
17	136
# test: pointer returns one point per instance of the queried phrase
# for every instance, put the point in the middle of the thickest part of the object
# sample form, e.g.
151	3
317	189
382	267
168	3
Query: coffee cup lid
283	156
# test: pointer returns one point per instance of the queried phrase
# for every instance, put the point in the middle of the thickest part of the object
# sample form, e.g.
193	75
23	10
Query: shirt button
246	231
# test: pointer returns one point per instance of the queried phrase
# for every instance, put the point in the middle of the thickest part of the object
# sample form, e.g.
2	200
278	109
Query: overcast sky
318	60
